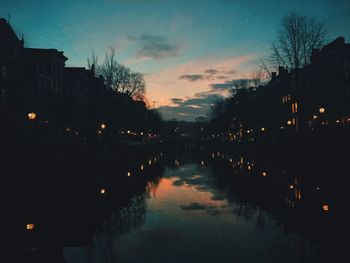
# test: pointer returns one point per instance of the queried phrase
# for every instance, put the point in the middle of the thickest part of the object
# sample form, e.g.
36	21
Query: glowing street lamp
325	208
103	126
30	226
31	116
289	122
322	110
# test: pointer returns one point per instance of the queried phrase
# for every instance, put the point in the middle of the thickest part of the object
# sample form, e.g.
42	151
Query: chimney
281	71
22	41
273	75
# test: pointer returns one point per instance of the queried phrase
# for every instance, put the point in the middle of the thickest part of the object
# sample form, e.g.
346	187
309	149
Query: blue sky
168	39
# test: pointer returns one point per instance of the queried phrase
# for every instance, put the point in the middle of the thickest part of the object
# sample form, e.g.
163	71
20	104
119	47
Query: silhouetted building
82	91
327	84
10	68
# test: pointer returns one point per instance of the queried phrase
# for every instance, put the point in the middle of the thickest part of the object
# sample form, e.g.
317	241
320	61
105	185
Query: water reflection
189	214
200	206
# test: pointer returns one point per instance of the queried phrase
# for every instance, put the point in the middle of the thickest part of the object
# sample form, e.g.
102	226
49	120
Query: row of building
298	101
41	97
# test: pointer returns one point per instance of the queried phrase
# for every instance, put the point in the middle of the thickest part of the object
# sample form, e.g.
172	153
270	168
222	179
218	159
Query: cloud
176	100
192	77
165	85
211	71
232	84
188	109
154	47
231	72
209	74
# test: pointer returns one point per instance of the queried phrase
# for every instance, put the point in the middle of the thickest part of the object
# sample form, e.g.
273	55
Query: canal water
192	211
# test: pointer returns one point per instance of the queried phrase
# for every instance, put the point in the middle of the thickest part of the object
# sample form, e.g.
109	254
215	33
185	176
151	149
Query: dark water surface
193	211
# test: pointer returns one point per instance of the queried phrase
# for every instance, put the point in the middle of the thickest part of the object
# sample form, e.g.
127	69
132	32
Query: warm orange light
262	129
32	116
322	110
264	174
128	132
30	226
289	122
102	191
129	173
325	208
291	186
103	126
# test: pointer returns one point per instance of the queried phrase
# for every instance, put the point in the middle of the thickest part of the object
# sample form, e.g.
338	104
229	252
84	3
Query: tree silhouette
118	77
296	38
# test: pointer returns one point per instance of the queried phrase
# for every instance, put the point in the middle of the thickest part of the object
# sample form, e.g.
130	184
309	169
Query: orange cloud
167	84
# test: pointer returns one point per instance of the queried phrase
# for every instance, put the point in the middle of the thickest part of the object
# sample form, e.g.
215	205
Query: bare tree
296	38
120	78
137	87
257	76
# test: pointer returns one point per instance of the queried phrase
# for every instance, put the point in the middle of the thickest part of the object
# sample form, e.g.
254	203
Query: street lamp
322	110
103	126
31	116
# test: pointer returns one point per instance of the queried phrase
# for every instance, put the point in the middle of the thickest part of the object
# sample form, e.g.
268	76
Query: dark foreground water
194	211
181	206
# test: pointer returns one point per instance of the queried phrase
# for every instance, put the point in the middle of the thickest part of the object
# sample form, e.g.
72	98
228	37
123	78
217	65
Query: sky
190	51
